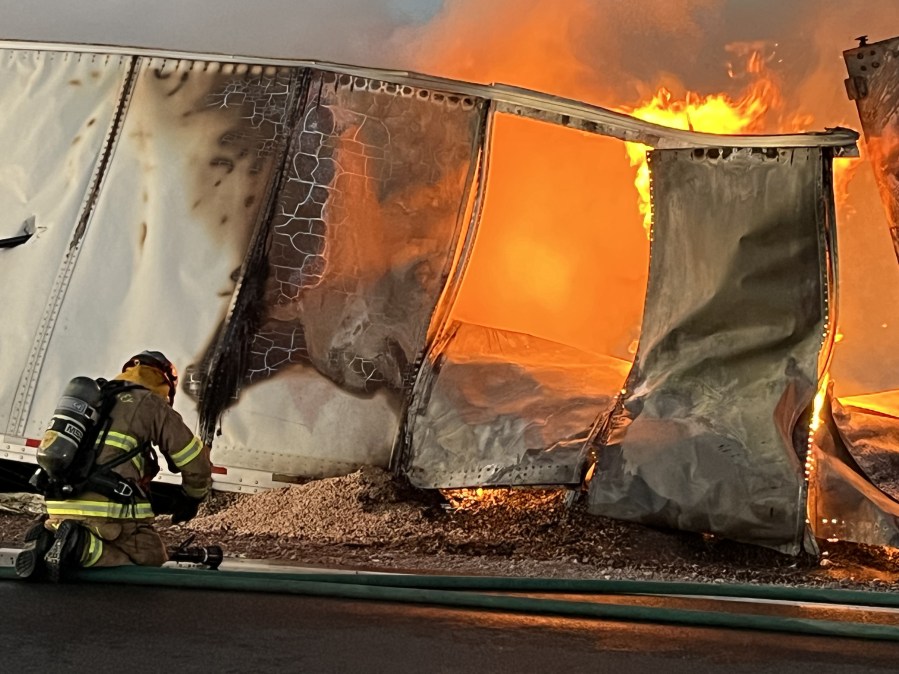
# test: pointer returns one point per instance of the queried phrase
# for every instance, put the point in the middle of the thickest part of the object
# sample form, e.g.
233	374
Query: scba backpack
74	438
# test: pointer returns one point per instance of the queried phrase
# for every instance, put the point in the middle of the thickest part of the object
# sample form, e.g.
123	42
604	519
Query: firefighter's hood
148	377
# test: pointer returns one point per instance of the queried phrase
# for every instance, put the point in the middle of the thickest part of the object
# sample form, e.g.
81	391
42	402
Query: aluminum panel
853	491
50	153
726	369
332	321
874	86
189	178
504	408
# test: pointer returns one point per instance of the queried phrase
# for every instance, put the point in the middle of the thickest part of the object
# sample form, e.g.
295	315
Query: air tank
72	420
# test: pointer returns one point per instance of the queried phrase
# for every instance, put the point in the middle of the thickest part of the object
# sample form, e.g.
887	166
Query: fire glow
715	113
558	200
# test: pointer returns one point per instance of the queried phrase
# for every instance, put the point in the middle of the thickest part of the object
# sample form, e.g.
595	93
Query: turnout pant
118	543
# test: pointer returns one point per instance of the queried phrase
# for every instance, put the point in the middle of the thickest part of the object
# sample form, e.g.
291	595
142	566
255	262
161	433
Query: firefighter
95	530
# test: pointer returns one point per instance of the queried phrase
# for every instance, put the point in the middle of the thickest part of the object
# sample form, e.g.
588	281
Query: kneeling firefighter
97	461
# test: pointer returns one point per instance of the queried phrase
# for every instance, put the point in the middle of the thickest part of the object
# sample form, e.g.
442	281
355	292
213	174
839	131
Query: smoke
616	53
587	49
349	31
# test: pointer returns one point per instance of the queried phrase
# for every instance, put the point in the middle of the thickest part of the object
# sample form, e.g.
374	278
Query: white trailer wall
56	110
189	175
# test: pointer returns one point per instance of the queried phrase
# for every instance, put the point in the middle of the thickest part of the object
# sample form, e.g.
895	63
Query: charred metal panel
703	436
874	86
852	496
356	257
189	177
504	408
50	154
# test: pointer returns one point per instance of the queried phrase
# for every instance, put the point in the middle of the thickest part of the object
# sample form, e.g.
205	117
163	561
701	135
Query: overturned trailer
295	236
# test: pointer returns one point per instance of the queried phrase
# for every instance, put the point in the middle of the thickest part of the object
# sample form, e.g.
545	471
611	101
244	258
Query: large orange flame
559	200
715	113
560	253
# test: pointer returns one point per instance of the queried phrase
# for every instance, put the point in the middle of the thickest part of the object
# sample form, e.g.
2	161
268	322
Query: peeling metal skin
365	230
874	86
843	502
703	436
497	408
251	107
356	257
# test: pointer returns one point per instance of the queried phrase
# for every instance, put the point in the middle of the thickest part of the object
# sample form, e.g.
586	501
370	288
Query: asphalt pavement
113	628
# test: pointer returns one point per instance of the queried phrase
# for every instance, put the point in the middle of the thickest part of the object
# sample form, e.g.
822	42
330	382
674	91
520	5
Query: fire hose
477	592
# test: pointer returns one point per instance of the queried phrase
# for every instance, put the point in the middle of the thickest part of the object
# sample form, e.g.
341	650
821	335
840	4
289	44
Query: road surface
113	628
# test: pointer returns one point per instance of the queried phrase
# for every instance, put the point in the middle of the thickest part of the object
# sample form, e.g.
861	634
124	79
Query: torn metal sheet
497	408
873	84
869	428
56	111
198	148
355	259
853	490
703	436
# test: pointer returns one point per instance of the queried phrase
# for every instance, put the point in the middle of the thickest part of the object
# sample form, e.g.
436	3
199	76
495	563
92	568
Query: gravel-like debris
369	520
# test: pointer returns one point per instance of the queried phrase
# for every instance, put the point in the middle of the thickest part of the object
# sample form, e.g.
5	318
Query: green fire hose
474	592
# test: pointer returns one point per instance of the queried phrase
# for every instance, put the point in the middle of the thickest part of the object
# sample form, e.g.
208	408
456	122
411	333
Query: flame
843	172
820	397
557	202
508	498
714	113
560	252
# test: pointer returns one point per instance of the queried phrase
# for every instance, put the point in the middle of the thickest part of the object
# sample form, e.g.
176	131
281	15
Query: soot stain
228	164
180	84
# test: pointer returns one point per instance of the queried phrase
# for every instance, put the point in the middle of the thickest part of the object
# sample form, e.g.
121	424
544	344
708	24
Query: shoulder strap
109	387
109	390
96	441
100	476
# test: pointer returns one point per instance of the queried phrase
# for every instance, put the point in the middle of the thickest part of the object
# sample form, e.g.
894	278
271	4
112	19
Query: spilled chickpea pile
368	520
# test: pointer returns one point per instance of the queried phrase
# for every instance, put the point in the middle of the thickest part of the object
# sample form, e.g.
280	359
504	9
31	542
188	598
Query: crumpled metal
710	433
497	408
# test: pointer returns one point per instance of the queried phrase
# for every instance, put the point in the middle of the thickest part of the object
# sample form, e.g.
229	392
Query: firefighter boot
30	561
65	553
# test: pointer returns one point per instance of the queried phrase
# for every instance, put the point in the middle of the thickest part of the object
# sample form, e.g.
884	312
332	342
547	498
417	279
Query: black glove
162	502
185	508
